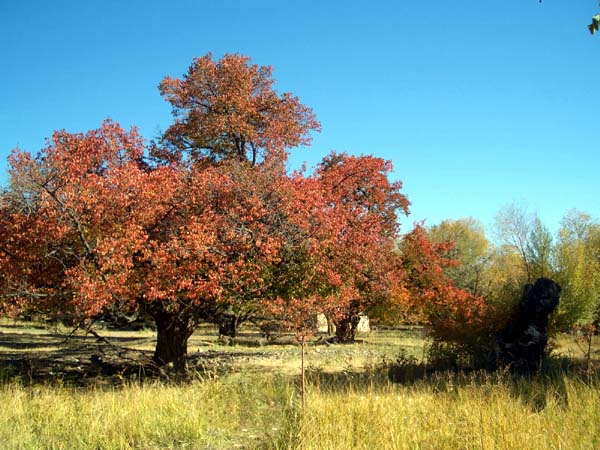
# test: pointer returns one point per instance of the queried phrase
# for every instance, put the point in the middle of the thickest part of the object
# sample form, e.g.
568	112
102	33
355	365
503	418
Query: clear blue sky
477	102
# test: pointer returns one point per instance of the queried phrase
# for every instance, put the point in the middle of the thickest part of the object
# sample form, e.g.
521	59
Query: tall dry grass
477	411
234	412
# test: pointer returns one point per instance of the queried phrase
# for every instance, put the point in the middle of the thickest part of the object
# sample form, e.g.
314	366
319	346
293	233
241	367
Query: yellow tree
471	250
578	270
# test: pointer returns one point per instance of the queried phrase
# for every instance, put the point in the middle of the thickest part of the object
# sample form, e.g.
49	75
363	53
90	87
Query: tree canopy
205	219
228	108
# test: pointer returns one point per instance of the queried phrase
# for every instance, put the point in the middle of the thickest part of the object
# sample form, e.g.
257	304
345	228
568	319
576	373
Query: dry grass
248	398
220	414
250	411
497	414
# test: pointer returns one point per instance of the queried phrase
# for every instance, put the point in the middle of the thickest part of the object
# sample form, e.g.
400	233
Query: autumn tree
52	214
212	219
470	249
356	227
204	222
89	225
457	319
229	109
98	218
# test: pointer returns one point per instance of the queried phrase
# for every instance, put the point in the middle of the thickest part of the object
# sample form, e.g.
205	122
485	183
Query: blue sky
478	103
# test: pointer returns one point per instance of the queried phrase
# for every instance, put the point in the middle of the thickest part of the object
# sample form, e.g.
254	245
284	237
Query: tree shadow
549	384
52	358
344	379
536	390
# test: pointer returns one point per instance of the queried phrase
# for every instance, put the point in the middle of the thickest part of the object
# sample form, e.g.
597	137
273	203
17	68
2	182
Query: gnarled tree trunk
173	331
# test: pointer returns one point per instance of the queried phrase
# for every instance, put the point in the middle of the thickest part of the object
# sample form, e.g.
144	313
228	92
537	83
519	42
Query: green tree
471	250
578	270
539	250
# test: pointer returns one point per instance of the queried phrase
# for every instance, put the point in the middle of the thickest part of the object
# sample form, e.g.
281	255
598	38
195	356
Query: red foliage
89	224
352	225
228	108
455	315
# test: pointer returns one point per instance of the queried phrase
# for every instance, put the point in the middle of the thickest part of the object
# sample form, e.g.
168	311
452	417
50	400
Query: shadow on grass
549	387
23	341
54	358
80	361
533	389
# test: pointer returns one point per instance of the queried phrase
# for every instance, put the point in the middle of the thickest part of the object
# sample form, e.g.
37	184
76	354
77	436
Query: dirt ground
44	353
41	353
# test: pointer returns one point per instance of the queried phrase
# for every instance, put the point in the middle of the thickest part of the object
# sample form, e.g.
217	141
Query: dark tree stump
522	344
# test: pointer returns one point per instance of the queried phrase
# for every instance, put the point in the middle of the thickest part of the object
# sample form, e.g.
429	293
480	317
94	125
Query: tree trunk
173	332
345	328
228	326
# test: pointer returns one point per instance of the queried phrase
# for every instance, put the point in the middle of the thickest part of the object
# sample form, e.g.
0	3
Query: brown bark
173	332
346	327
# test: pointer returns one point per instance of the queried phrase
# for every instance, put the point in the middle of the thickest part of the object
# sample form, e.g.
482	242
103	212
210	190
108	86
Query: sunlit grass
445	411
225	413
253	402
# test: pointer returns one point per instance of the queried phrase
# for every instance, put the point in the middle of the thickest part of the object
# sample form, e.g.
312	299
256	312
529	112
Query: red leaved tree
454	316
89	225
210	222
229	109
356	227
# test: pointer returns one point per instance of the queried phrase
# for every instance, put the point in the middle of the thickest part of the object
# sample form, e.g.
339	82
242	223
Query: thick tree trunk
345	328
228	326
173	332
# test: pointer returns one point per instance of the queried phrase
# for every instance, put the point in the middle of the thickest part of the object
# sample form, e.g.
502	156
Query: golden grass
250	411
254	404
525	415
219	414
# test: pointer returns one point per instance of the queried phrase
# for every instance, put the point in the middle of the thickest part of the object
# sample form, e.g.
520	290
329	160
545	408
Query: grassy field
58	394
